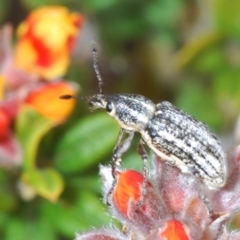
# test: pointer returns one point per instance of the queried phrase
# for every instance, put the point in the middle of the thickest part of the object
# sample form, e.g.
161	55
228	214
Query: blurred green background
183	51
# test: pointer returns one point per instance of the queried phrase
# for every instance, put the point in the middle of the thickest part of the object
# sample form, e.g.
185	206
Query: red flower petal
128	188
174	230
4	124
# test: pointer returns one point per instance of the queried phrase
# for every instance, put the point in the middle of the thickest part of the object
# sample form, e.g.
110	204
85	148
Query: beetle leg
203	195
119	139
119	150
143	153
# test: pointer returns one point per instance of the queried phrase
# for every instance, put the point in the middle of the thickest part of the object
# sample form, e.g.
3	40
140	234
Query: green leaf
16	229
42	230
198	101
227	83
62	217
8	200
31	4
27	229
92	6
87	211
89	182
4	177
86	143
226	87
195	47
4	217
228	16
163	14
210	60
31	126
93	211
48	183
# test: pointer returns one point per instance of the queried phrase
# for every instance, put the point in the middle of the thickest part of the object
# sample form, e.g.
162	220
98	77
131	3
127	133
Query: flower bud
45	39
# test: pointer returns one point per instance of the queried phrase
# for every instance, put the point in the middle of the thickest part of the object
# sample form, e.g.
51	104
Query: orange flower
45	40
174	230
46	100
128	188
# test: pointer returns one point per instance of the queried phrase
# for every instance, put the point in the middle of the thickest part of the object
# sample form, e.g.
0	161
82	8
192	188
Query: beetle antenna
95	65
68	96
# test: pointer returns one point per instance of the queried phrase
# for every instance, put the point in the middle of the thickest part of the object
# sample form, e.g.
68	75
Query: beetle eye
91	104
109	107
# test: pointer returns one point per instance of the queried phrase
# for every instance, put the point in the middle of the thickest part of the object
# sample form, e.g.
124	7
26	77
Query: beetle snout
96	102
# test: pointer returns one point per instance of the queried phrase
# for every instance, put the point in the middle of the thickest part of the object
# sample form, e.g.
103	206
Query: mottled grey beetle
169	132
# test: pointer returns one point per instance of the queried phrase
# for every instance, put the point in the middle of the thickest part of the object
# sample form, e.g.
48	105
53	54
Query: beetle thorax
131	111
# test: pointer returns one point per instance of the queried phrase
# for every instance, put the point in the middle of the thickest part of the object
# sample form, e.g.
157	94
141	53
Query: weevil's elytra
172	134
180	137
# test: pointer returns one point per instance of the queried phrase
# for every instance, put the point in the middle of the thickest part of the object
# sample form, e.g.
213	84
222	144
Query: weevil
172	134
